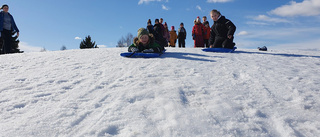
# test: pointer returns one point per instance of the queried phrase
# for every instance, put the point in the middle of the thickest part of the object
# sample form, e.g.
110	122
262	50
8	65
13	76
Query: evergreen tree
87	43
63	47
14	44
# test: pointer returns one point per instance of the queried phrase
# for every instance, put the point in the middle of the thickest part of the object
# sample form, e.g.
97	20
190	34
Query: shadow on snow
187	56
277	54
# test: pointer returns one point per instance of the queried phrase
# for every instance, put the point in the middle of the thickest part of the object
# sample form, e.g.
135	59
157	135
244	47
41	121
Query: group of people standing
165	37
220	35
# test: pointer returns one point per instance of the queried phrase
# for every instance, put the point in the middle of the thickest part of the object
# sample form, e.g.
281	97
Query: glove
134	49
148	51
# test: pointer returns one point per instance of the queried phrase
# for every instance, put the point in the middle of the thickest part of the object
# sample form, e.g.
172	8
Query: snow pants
7	38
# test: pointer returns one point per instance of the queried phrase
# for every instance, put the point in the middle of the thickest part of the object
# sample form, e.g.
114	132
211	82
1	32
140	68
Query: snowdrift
185	92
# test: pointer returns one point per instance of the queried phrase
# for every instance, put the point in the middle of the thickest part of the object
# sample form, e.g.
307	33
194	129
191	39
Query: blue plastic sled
224	50
141	55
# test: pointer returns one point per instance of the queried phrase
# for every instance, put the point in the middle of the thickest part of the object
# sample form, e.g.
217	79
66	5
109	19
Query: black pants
182	43
220	42
206	43
7	38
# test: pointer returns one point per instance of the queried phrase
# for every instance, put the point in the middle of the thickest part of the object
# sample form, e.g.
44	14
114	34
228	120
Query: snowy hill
185	93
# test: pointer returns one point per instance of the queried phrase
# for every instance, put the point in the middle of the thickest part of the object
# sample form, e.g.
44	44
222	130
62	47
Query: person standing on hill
222	31
166	34
173	37
206	35
7	26
197	33
182	34
150	26
157	32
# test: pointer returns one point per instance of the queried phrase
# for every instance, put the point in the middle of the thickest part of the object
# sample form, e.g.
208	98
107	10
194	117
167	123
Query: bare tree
125	41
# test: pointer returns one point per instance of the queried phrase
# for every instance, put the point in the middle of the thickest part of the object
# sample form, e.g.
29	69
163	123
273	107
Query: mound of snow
185	92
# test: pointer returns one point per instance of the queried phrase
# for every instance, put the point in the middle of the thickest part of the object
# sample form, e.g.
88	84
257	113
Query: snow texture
184	93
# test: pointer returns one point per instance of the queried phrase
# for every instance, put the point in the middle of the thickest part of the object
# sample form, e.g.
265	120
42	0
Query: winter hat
172	27
198	19
157	20
142	31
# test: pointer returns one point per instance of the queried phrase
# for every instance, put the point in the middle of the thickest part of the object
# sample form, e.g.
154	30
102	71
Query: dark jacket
150	28
221	28
13	24
157	32
152	44
182	33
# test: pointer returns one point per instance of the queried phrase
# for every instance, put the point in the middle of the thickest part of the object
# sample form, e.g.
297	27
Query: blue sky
278	24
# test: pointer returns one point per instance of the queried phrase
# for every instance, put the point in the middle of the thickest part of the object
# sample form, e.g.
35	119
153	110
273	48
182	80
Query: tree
14	44
121	42
87	43
63	47
43	49
125	42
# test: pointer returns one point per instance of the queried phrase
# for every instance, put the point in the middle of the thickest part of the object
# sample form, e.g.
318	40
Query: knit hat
142	31
198	18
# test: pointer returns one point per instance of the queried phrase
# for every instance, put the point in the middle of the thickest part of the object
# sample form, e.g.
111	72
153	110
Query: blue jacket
13	24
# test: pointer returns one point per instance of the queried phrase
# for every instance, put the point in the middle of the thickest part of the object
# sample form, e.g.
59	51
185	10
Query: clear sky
51	24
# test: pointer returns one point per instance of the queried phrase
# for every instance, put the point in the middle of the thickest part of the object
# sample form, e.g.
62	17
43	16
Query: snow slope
185	93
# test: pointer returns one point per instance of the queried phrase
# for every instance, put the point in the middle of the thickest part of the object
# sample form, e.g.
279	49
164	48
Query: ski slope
184	93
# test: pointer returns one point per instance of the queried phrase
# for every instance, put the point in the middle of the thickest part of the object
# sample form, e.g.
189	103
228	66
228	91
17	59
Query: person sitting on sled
222	31
145	43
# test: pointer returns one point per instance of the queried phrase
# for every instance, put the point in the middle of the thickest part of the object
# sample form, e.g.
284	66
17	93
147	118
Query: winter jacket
197	35
150	28
166	34
221	29
173	38
206	32
157	32
13	24
151	45
182	33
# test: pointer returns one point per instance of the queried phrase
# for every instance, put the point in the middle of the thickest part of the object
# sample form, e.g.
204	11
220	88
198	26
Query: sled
141	55
223	50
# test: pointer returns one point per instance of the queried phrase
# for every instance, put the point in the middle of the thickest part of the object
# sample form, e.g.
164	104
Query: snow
184	93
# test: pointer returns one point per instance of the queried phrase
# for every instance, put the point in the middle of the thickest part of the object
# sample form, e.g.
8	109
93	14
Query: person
162	26
158	35
204	20
173	37
222	31
144	42
206	35
182	34
166	34
7	27
197	33
150	26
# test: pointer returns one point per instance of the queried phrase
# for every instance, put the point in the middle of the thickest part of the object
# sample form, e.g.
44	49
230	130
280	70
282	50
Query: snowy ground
185	93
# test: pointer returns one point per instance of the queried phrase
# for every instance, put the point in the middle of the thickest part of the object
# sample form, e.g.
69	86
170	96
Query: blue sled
224	50
141	55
